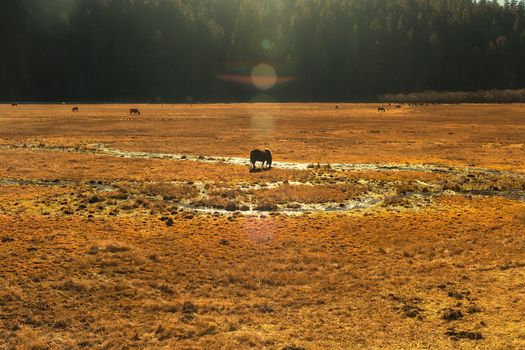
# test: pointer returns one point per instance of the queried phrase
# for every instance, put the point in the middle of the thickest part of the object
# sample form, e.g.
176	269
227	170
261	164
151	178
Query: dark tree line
328	49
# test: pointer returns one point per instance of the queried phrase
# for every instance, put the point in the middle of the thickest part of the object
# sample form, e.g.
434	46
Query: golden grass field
395	230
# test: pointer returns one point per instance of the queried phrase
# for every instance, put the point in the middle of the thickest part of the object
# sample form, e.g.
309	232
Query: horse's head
268	156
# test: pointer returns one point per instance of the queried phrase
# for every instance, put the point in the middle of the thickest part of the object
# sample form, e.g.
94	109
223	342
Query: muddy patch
325	189
255	199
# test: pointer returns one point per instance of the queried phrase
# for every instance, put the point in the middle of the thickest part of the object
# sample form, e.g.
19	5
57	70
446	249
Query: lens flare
259	231
263	76
266	44
262	116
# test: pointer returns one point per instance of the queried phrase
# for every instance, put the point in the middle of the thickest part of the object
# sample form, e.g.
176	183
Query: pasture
400	229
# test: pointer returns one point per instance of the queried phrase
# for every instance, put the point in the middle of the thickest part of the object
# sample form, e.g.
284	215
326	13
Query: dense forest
177	50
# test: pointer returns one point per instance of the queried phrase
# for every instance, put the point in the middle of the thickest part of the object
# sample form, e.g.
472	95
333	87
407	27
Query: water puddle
377	193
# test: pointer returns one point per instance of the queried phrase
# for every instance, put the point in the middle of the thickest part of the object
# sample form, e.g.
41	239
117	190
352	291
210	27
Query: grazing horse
381	109
14	104
75	109
265	156
134	111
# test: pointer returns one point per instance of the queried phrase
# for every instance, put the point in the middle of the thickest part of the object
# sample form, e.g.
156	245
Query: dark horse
265	156
134	111
74	109
381	109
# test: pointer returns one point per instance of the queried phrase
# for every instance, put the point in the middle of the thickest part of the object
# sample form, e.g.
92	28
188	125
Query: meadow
401	229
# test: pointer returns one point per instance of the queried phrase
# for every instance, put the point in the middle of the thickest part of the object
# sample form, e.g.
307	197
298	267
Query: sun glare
263	76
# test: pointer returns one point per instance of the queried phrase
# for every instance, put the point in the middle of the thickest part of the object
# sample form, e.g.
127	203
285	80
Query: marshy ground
401	229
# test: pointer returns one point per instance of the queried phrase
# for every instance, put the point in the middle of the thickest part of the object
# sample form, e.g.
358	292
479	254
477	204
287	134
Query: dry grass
169	191
484	135
396	200
217	202
129	269
277	283
479	182
34	164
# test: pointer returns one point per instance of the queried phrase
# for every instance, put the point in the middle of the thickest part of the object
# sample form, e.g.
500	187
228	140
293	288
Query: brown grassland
395	230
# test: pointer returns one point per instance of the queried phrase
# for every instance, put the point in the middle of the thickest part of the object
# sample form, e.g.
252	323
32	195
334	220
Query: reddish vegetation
42	164
85	266
125	281
484	135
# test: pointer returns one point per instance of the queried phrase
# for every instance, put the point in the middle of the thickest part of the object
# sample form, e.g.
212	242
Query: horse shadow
259	170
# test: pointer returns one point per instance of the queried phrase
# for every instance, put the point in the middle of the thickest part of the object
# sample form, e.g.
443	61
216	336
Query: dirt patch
471	335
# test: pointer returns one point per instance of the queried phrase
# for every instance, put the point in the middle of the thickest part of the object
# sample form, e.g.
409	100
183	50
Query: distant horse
265	156
381	109
134	111
14	104
74	109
